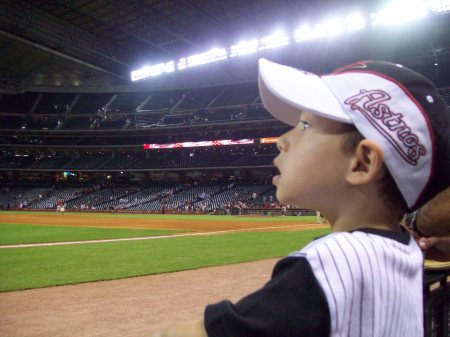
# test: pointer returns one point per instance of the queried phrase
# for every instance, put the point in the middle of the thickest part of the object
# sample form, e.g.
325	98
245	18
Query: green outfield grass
25	268
17	234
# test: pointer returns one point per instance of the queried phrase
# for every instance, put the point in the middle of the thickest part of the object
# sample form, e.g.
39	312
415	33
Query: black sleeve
291	304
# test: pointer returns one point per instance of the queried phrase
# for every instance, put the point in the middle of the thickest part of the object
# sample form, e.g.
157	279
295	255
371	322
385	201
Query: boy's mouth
276	177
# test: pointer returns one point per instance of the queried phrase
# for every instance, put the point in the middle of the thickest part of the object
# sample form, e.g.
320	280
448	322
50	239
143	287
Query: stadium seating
65	194
18	103
128	102
11	122
138	197
90	103
237	95
51	103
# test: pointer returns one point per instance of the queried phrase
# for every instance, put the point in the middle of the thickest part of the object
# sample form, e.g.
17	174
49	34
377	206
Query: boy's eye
305	125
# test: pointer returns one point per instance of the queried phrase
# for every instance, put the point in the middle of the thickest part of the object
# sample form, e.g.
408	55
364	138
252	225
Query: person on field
319	218
60	206
283	210
369	142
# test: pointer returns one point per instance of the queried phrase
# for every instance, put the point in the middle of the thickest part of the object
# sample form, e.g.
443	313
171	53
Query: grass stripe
25	268
24	233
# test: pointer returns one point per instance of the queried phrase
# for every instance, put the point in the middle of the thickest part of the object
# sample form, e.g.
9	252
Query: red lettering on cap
372	105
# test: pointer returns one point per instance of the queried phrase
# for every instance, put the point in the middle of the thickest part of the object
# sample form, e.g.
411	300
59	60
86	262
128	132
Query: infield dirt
82	220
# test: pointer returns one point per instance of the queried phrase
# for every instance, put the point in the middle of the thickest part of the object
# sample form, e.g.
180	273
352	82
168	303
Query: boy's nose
282	143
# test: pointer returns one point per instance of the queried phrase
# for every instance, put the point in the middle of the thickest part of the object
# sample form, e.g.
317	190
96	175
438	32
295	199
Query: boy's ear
367	163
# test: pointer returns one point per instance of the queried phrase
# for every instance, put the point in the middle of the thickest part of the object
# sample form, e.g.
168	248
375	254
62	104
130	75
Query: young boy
384	132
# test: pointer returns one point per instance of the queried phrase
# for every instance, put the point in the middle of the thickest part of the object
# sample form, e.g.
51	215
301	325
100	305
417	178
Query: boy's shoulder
355	269
363	239
359	255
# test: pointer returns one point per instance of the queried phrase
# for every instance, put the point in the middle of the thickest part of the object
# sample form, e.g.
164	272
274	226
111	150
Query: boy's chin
282	198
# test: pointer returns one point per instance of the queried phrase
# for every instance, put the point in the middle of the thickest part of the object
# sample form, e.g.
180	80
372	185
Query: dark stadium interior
73	124
95	44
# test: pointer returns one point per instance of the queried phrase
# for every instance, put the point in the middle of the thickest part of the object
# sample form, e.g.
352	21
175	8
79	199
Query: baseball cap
396	107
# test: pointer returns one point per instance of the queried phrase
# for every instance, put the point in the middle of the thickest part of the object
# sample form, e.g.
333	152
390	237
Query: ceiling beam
146	22
60	54
36	16
119	29
206	15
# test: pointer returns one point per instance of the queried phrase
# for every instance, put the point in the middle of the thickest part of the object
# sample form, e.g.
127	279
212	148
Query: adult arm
436	248
434	217
433	221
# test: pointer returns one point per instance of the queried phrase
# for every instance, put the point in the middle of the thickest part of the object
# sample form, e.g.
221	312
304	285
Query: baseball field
45	249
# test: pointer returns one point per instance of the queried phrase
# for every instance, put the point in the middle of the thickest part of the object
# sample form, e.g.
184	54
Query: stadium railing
436	303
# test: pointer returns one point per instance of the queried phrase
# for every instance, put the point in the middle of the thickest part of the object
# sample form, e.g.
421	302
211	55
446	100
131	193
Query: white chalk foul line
47	244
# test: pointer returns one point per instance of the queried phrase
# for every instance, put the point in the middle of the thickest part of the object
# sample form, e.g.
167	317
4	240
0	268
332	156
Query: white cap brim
286	91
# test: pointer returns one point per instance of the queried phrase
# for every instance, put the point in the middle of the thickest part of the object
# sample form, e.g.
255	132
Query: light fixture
395	13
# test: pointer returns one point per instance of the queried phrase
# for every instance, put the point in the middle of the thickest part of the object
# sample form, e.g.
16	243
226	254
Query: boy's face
311	162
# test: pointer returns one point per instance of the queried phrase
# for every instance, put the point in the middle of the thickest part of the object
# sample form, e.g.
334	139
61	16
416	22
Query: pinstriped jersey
372	284
366	283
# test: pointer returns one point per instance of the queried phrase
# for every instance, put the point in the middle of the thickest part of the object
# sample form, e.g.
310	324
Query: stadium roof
70	45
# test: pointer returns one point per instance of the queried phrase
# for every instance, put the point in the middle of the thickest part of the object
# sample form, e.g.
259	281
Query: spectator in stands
242	115
196	119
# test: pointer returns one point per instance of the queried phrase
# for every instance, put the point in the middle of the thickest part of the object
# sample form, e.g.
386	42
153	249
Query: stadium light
213	55
302	33
275	40
397	12
439	6
323	29
152	71
331	27
244	48
355	22
400	11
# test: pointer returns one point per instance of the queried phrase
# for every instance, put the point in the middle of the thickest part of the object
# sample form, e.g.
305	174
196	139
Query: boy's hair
389	192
